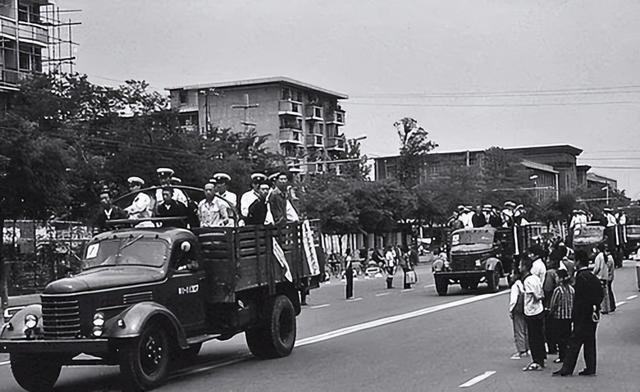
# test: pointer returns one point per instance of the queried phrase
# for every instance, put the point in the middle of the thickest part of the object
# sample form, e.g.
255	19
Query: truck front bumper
55	346
457	275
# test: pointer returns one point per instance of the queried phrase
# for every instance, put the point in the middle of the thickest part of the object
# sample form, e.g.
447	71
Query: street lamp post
606	188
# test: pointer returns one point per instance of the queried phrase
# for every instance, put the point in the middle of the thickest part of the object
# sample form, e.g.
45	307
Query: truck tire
441	286
493	280
35	372
144	360
276	336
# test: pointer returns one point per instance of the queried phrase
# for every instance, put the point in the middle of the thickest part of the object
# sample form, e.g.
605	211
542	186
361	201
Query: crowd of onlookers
556	299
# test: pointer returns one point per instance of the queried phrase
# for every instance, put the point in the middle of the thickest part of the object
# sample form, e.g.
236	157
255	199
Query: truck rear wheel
144	361
441	286
276	335
35	372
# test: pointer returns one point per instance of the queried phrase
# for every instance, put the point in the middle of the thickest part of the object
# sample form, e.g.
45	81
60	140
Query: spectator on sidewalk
560	310
516	313
389	266
534	314
348	261
601	271
585	317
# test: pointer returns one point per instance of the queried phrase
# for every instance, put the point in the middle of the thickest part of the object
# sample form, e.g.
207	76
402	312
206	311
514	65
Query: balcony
33	33
291	108
314	113
336	117
336	143
290	135
9	79
8	27
315	141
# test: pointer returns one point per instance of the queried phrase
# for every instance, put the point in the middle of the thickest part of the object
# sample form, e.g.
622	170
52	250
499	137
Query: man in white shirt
538	268
211	210
140	208
534	316
249	197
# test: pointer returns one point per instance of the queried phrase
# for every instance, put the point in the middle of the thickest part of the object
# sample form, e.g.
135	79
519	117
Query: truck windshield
471	237
125	251
589	232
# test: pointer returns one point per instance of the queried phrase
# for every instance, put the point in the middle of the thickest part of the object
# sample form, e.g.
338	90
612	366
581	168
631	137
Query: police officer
348	260
164	178
221	181
253	205
141	206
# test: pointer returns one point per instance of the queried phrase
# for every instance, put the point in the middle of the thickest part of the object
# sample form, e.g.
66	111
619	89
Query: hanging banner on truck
310	249
279	254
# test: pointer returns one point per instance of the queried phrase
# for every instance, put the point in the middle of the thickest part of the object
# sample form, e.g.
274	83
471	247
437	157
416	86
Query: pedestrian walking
389	266
585	316
348	261
534	314
611	269
560	310
601	271
549	284
516	313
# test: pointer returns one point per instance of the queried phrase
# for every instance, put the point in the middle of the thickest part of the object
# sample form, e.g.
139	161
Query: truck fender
131	322
492	263
14	329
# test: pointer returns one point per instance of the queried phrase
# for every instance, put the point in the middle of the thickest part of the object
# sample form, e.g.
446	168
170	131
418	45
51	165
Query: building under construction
33	39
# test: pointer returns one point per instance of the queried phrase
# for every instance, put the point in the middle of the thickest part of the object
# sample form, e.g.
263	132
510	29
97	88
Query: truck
148	296
588	237
482	255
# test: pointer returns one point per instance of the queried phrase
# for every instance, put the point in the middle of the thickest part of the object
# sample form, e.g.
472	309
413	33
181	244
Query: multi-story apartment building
303	121
24	39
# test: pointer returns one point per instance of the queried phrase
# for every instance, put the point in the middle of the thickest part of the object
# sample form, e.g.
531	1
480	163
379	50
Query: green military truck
146	296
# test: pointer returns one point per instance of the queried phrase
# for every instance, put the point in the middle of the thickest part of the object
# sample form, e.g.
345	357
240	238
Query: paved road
396	340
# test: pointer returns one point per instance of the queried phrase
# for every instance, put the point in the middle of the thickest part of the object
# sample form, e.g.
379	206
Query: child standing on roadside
560	310
516	312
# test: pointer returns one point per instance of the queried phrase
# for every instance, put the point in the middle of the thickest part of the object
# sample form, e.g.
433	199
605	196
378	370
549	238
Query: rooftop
553	148
254	82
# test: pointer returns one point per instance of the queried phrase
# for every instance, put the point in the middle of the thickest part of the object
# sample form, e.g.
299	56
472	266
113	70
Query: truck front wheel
276	335
144	361
493	280
35	372
441	286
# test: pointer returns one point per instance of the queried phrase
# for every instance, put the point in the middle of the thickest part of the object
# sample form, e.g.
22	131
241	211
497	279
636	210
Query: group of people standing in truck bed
269	201
488	215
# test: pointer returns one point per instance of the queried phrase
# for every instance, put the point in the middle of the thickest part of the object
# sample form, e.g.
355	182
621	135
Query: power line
494	105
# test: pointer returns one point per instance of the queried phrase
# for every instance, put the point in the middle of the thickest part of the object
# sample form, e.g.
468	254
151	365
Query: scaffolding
34	38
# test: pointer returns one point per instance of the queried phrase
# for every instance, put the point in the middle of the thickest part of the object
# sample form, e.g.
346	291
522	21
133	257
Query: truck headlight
446	264
98	320
30	321
478	263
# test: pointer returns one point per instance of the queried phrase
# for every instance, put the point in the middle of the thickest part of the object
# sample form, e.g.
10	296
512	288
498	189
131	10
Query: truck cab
147	296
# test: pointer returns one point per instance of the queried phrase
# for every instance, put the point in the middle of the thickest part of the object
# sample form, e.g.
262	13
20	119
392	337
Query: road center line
629	298
4	363
406	290
382	294
319	306
477	379
621	303
355	299
429	285
393	319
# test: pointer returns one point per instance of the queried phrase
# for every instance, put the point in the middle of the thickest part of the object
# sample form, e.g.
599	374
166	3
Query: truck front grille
60	317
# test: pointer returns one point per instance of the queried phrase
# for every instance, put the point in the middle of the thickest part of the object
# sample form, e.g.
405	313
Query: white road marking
406	290
477	379
429	285
382	294
201	369
319	306
355	299
621	303
629	298
393	319
4	363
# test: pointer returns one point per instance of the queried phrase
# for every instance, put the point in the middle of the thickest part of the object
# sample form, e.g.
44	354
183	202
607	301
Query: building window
298	96
339	117
183	97
318	139
321	128
286	93
317	112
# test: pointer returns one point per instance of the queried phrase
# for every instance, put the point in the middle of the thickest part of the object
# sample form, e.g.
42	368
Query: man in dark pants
586	313
349	274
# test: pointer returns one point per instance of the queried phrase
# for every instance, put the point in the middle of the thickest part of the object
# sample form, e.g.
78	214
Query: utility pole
245	107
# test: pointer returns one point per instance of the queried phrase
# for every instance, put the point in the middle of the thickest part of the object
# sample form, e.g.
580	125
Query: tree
415	143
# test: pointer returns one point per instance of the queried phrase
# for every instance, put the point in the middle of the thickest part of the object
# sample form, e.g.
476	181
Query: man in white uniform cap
141	206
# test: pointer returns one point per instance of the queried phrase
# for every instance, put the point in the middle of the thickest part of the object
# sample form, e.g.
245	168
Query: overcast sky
476	73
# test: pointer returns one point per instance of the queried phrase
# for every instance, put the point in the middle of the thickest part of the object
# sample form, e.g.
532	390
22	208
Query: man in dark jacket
586	313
